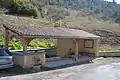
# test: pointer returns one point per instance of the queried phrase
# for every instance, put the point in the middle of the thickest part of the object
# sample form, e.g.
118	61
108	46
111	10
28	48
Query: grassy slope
10	19
23	20
90	24
109	31
73	21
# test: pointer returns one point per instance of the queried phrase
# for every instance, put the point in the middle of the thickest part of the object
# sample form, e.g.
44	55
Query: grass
90	22
29	21
74	20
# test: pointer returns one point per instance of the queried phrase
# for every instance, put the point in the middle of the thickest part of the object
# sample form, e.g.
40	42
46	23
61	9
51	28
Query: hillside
109	31
95	16
110	11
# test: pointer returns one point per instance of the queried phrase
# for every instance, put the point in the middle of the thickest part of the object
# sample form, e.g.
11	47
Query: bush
15	44
56	14
1	41
41	44
24	7
60	23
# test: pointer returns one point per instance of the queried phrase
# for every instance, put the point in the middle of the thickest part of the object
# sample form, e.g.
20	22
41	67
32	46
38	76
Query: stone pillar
77	49
6	38
96	42
24	45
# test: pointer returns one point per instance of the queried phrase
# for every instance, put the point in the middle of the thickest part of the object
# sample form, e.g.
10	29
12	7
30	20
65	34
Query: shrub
15	44
24	7
1	41
41	44
60	23
56	14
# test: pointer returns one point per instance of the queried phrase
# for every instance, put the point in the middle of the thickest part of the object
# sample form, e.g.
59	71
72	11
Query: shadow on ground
17	70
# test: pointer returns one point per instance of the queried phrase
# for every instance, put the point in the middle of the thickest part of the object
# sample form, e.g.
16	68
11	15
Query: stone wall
109	53
51	52
48	52
29	59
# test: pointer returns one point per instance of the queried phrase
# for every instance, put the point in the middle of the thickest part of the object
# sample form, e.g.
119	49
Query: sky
118	1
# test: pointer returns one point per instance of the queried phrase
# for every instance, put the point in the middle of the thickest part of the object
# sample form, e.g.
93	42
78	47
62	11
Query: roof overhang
49	32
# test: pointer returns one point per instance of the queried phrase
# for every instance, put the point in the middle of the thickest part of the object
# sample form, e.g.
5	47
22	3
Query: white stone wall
29	60
109	53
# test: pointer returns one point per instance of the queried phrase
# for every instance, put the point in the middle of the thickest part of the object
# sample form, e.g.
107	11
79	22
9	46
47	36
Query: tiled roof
48	32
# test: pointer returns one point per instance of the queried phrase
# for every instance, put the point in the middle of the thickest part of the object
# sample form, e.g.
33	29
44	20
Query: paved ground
67	62
103	70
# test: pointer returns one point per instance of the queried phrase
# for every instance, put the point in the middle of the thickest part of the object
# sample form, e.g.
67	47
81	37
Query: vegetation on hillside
108	9
21	7
34	7
95	16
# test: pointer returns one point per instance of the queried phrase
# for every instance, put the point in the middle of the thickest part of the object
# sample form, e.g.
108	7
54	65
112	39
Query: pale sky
118	1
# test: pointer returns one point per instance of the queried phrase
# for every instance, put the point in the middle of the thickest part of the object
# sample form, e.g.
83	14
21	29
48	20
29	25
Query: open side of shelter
69	41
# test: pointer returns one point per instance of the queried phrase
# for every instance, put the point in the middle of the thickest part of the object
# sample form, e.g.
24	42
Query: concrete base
29	60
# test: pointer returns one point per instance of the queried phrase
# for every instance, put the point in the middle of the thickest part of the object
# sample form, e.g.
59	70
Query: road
107	71
103	70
